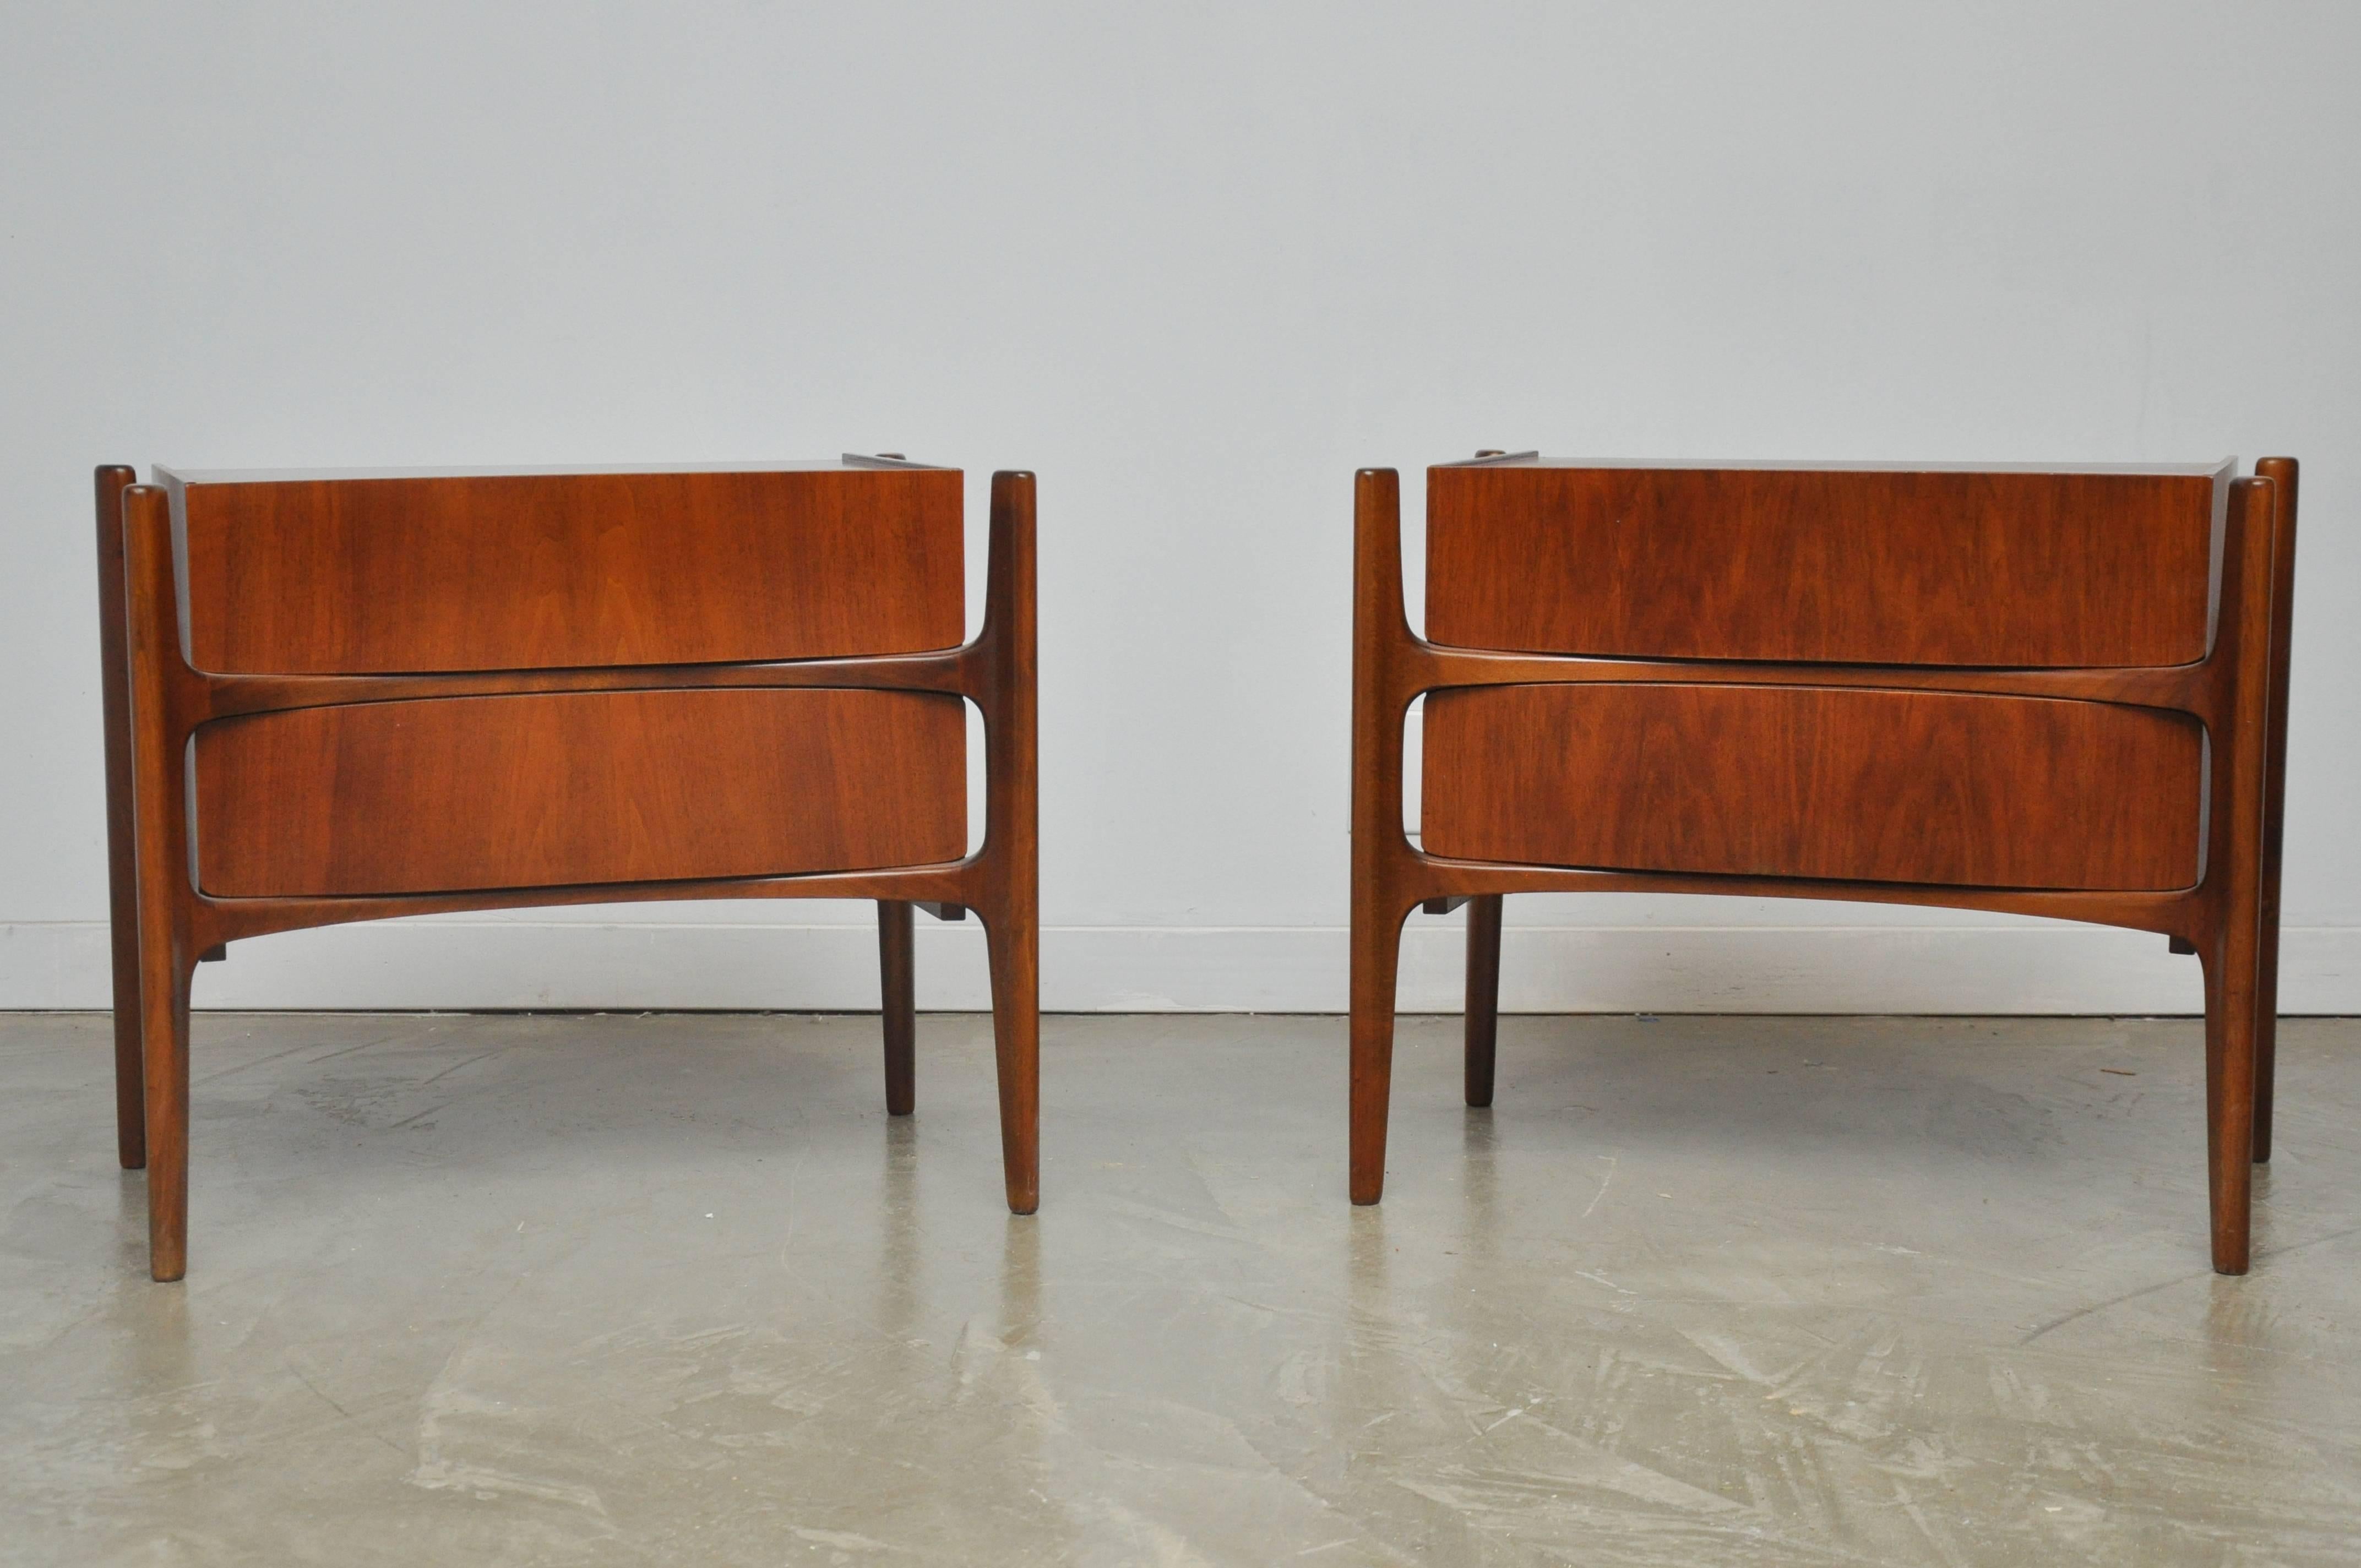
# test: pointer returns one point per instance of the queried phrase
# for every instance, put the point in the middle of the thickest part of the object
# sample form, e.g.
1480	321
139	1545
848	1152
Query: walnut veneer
2057	692
336	696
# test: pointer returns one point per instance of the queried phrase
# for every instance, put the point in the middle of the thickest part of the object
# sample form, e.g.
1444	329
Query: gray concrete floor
672	1289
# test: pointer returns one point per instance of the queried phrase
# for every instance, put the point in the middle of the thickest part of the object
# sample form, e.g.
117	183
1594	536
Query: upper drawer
303	573
1851	565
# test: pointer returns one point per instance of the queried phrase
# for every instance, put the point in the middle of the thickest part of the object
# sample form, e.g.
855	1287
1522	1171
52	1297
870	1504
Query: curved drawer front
567	571
554	789
1811	782
1861	566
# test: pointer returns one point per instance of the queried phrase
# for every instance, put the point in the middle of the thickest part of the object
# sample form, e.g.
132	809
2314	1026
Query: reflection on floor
654	1289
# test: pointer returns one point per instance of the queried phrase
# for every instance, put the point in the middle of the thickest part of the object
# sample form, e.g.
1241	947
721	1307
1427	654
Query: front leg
1376	963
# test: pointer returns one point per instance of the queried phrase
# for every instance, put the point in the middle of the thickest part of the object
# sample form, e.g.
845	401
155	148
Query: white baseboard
458	964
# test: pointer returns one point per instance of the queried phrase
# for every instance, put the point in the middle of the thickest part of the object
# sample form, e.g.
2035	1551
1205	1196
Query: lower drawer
554	789
1813	781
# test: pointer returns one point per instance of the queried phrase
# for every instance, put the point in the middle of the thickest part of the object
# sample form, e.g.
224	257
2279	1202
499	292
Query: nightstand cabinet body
2055	692
338	696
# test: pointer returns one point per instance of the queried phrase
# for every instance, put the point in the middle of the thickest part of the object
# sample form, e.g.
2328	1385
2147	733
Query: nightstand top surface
2144	470
848	464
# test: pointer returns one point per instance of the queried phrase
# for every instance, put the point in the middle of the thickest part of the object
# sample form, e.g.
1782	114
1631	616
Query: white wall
1193	266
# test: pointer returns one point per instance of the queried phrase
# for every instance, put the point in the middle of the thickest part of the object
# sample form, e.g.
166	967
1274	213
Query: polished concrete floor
665	1290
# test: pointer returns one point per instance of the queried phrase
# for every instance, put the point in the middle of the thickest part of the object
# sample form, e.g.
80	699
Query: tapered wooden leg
1013	942
2233	947
2230	1100
122	880
1483	993
1010	878
164	1019
2282	473
2267	943
2267	1018
898	986
1375	961
159	840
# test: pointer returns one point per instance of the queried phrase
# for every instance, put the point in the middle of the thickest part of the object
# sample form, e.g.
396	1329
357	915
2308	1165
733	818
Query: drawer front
1859	566
1809	781
562	571
549	790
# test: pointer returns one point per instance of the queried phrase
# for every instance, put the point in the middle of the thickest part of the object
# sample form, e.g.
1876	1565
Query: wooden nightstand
344	696
2057	692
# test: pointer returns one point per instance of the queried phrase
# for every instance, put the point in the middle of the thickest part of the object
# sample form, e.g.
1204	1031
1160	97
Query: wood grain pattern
551	571
1808	782
1864	565
552	789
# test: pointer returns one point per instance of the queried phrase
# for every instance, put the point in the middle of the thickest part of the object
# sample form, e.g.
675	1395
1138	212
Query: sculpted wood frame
341	696
2055	693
